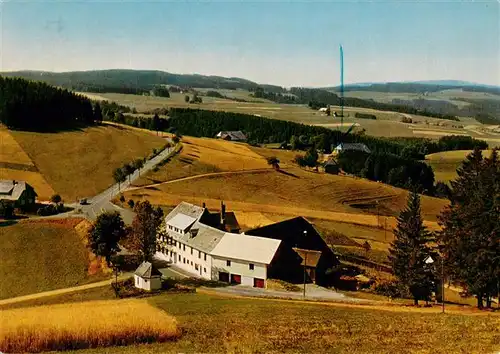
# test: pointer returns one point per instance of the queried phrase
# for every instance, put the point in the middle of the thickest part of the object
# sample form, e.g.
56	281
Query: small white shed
147	277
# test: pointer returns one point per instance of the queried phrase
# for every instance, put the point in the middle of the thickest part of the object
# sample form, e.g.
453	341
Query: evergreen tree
409	250
470	236
97	113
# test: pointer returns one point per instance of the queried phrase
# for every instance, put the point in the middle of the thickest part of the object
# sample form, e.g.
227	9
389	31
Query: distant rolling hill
138	80
419	87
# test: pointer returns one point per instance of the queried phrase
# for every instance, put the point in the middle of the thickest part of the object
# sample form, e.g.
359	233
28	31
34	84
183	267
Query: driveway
313	292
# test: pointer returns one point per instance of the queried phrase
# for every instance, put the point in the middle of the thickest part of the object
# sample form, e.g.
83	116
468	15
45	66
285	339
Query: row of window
251	266
171	241
175	229
196	265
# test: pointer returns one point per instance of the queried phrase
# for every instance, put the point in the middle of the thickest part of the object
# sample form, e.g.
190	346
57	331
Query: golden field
84	325
445	164
80	163
292	191
202	155
226	324
15	164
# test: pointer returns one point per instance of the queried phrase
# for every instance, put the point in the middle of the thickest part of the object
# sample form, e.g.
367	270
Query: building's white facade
153	283
186	257
240	272
209	253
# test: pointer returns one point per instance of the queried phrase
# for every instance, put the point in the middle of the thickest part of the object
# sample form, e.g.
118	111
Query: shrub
56	198
131	203
365	115
122	198
391	289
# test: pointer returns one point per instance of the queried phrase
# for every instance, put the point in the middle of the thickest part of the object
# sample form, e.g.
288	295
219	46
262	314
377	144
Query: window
184	247
191	250
205	270
196	266
251	266
184	260
228	263
205	256
199	254
191	263
179	258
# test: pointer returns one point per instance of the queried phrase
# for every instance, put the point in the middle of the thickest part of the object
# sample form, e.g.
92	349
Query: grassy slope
213	324
16	164
80	163
293	188
445	164
39	256
202	155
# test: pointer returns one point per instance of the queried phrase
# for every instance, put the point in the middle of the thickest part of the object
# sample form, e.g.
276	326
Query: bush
6	209
122	198
391	289
48	210
56	198
365	115
131	203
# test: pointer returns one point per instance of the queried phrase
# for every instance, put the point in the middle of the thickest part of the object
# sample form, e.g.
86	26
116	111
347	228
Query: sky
287	43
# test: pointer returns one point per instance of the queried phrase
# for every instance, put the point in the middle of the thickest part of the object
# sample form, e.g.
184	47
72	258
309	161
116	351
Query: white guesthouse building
211	253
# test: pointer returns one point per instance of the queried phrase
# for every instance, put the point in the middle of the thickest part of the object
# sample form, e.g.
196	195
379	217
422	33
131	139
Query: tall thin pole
305	261
341	87
442	284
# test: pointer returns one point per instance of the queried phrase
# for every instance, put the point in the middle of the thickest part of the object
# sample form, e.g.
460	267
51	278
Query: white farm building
198	242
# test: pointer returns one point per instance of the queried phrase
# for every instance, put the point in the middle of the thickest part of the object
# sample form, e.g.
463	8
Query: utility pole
305	262
442	282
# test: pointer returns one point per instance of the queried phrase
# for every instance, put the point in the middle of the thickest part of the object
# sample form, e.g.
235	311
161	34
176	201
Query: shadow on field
4	223
287	173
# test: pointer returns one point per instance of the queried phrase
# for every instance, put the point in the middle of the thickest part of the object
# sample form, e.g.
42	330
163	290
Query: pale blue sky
281	42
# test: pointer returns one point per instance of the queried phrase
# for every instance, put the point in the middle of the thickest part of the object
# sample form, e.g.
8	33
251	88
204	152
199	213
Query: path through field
62	291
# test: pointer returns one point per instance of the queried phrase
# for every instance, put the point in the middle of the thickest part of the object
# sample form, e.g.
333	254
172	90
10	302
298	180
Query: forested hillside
415	87
133	81
29	105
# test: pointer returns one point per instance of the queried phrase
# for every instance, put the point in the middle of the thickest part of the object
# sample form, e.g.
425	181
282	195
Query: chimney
222	214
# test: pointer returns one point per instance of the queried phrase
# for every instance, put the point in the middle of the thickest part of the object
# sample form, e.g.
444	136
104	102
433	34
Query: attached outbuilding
242	259
147	277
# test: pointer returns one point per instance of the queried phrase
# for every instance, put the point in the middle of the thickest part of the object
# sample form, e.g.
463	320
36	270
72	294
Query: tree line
466	250
36	106
317	98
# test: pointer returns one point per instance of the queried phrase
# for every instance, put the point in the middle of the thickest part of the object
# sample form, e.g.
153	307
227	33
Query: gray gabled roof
206	237
234	134
353	146
184	208
147	270
12	190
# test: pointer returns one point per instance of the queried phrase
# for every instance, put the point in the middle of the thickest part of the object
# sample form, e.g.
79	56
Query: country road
102	201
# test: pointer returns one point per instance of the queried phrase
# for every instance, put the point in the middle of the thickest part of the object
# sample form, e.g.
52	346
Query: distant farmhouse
19	193
209	245
351	147
236	135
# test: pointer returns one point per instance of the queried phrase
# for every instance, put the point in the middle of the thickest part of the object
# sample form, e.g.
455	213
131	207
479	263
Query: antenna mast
341	87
